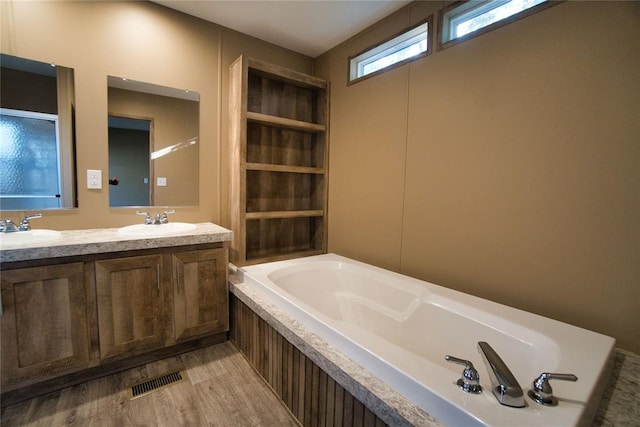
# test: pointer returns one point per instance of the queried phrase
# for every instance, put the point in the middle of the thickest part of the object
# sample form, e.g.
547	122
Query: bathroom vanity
94	301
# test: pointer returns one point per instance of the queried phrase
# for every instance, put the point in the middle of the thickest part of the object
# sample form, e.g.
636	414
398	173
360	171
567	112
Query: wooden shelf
279	146
279	155
276	72
283	168
284	123
284	214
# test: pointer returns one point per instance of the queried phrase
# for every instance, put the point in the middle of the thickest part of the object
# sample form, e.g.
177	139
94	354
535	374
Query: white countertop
102	240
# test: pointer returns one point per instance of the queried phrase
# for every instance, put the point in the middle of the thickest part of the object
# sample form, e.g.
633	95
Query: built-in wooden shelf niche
279	137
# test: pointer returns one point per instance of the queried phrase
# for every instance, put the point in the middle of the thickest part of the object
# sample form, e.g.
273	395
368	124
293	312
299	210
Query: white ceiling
310	27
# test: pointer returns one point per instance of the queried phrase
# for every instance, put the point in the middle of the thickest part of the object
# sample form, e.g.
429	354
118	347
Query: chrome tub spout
504	385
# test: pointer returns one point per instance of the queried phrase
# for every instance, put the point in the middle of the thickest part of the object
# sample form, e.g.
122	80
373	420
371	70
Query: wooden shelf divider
283	168
280	122
284	214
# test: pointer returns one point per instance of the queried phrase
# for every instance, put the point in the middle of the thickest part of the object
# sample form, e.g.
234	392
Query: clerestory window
412	44
461	21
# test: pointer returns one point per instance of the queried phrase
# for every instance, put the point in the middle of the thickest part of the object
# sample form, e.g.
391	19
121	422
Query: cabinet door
130	302
44	324
200	294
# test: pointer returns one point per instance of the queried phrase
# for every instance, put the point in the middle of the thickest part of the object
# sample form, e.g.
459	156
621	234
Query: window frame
428	21
36	115
498	24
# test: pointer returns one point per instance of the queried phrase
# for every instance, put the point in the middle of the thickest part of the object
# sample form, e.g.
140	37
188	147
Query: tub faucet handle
470	380
542	392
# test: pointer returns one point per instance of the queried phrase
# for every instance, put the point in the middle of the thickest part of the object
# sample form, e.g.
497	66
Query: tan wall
141	41
506	167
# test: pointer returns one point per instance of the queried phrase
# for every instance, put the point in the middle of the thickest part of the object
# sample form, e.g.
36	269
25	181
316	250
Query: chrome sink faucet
504	385
158	219
8	226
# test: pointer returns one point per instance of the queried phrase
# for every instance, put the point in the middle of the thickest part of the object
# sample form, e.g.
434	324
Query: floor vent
156	383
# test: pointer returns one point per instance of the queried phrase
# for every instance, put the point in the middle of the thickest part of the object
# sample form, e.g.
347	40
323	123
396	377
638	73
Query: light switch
162	181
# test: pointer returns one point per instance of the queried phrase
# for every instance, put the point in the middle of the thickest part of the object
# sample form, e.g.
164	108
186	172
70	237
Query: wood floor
221	390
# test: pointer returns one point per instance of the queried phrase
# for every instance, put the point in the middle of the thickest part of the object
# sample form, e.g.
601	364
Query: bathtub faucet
470	380
504	385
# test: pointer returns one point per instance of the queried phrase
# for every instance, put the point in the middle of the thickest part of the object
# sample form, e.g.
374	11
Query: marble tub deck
620	405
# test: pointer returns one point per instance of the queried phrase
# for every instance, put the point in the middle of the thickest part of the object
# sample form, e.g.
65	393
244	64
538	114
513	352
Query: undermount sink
20	238
156	230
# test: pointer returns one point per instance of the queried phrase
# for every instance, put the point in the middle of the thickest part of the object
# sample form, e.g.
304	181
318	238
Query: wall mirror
37	135
153	144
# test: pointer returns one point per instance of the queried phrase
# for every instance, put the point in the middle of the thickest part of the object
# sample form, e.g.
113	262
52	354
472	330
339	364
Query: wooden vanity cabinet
130	305
143	305
45	322
65	322
200	293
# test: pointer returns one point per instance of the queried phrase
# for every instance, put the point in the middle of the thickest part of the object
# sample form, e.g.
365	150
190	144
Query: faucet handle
470	380
24	223
163	217
7	225
542	392
148	219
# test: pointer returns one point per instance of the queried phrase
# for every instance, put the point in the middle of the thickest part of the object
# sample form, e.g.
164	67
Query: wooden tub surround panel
313	397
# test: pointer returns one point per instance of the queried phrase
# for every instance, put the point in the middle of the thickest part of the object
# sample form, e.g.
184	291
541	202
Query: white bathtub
400	329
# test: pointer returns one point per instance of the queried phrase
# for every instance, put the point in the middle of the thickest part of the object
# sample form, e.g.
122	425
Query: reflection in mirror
37	135
153	145
129	148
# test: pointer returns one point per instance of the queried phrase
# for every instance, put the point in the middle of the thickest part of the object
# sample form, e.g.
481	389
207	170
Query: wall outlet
94	179
162	181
